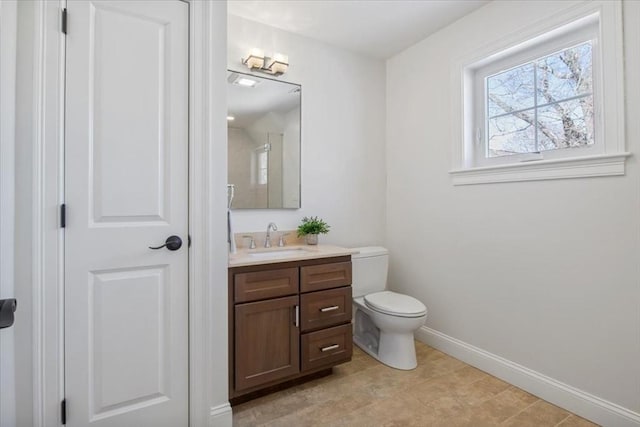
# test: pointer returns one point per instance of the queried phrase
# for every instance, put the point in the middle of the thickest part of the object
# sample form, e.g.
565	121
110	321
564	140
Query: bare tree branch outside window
545	104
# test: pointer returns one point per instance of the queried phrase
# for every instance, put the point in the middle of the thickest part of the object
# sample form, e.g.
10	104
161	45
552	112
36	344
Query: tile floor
442	391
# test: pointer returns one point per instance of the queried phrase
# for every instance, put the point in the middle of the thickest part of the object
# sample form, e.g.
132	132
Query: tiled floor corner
442	391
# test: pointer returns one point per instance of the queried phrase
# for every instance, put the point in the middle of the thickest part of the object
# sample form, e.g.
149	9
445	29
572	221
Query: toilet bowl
384	321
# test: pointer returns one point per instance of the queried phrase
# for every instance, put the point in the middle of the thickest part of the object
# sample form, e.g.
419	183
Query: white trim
611	83
8	39
575	167
221	415
47	286
208	256
575	400
197	224
208	359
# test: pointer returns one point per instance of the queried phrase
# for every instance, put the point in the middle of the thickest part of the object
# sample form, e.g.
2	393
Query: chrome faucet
267	239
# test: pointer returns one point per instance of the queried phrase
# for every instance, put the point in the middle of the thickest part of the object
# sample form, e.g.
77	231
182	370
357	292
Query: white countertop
278	254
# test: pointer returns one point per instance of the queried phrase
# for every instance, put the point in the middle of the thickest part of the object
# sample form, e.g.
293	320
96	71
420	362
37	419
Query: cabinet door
267	341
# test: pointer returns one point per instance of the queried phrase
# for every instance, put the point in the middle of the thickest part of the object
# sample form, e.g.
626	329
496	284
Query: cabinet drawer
326	347
265	284
325	308
325	276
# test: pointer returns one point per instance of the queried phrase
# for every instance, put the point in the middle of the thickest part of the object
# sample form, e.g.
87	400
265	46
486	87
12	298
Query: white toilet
384	320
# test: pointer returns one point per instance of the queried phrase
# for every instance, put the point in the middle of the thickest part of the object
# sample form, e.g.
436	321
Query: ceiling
375	28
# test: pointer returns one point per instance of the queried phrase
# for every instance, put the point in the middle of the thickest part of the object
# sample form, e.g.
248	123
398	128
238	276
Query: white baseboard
221	416
577	401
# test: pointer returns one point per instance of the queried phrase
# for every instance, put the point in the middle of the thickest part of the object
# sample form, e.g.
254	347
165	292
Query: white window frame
569	38
599	21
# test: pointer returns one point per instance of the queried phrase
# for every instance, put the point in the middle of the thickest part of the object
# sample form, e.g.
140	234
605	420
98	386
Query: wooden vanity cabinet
287	321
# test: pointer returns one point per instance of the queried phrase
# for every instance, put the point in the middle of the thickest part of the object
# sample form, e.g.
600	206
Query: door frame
208	364
8	59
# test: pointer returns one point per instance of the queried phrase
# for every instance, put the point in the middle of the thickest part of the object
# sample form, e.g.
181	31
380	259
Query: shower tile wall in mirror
263	142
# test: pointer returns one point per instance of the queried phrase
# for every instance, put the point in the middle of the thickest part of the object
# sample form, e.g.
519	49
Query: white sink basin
278	253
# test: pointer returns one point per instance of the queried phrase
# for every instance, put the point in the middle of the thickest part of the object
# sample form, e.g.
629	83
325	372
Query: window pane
566	124
511	134
263	167
565	74
511	90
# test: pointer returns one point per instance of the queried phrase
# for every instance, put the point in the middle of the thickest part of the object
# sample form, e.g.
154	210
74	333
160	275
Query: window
533	107
263	165
545	104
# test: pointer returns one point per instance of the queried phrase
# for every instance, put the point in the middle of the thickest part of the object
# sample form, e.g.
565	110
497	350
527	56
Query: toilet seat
395	304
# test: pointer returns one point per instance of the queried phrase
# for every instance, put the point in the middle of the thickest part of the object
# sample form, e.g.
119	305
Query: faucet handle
252	244
281	242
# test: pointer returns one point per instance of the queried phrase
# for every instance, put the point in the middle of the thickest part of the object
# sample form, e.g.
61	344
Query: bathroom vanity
289	316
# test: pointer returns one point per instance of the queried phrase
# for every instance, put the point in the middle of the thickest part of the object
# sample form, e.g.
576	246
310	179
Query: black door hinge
63	27
63	215
63	411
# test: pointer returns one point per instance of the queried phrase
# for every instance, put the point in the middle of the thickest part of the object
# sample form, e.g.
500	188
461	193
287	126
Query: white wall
545	274
343	131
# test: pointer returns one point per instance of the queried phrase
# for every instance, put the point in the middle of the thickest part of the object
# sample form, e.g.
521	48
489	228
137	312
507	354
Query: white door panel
138	128
126	148
146	290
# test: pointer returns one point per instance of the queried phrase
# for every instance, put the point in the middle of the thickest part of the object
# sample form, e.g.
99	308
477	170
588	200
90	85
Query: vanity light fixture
255	59
230	118
275	65
279	64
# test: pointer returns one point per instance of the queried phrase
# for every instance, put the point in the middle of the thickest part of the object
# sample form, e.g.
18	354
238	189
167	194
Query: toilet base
385	338
394	350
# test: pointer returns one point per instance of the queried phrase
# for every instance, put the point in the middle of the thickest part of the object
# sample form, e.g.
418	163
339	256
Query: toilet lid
395	304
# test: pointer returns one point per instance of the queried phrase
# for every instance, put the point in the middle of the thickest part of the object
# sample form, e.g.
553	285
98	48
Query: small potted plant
311	227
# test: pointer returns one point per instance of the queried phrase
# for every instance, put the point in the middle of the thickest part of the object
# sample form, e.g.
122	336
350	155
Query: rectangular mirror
264	130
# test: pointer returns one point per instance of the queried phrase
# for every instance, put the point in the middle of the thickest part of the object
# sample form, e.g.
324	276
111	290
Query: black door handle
173	243
7	308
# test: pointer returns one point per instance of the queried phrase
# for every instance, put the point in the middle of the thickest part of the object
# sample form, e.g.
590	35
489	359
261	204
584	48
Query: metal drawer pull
333	307
296	320
329	348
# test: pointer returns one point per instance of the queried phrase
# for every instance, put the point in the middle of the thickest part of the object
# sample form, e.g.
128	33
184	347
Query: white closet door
126	160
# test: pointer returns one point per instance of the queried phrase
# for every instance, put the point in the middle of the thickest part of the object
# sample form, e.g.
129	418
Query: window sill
574	167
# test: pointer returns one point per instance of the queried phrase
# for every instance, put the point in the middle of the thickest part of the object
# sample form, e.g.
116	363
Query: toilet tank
369	269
